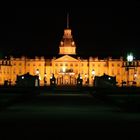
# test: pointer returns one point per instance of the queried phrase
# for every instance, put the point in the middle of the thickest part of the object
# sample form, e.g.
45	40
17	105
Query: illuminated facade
68	66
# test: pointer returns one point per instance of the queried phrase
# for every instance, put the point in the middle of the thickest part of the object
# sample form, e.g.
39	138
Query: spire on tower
67	44
67	20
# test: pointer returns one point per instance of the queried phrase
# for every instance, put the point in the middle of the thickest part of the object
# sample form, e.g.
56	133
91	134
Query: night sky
99	32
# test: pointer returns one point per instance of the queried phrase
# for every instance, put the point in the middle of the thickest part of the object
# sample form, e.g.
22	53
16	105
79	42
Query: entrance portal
66	79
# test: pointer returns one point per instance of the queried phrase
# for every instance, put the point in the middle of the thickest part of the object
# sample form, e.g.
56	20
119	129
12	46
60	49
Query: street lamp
86	79
45	74
135	77
93	73
38	74
130	59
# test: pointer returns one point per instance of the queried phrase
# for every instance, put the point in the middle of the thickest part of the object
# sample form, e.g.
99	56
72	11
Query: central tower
67	45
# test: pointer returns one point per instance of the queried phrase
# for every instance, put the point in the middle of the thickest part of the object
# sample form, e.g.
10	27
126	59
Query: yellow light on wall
64	69
86	76
135	75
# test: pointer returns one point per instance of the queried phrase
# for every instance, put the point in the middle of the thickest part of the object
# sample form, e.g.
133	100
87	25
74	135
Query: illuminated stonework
66	68
67	44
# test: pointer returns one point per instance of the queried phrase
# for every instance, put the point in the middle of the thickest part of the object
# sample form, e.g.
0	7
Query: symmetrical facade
68	66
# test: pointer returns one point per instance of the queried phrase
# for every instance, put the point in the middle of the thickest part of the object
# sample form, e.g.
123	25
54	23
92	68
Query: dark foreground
73	112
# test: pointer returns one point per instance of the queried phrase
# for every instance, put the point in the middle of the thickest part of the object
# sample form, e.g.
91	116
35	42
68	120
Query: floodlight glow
45	75
86	75
130	58
39	77
37	71
93	72
64	69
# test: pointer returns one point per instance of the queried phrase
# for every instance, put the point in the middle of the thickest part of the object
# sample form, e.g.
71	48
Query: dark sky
97	31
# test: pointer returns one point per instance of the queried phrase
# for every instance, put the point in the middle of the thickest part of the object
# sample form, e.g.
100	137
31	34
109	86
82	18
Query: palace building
67	67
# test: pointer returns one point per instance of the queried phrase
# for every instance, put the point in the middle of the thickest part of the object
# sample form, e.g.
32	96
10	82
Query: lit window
112	72
71	65
118	65
7	62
